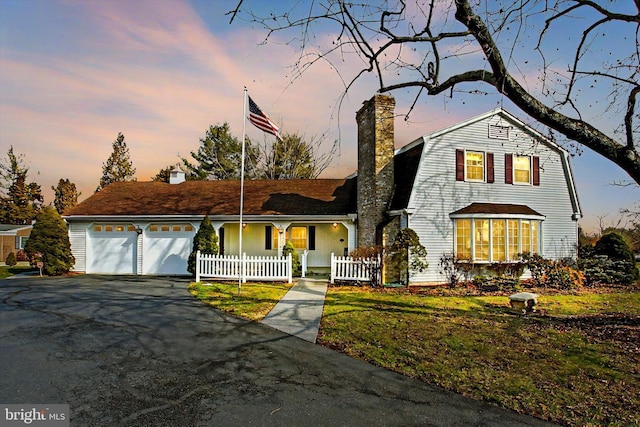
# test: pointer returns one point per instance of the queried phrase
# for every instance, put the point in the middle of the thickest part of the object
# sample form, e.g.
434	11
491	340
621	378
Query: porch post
304	262
197	266
351	235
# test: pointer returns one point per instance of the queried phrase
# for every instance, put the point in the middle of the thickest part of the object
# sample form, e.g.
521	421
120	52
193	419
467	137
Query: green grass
254	302
548	366
577	362
6	271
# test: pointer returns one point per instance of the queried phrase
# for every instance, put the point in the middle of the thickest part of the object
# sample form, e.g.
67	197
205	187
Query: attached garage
112	249
166	248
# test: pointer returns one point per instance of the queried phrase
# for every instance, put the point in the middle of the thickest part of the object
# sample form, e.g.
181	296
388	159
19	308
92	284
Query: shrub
49	242
602	270
204	241
613	246
454	268
556	274
22	256
611	262
295	258
11	259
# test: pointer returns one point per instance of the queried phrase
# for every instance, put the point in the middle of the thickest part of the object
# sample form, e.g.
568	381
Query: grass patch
576	364
254	302
6	271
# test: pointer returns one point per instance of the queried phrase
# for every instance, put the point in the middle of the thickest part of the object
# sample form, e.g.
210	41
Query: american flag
261	120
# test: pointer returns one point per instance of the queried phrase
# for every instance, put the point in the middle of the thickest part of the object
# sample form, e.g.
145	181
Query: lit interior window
474	166
499	239
522	169
299	237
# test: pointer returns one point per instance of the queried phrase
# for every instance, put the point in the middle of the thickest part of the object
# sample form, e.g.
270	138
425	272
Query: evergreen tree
204	241
118	166
163	175
408	254
296	266
66	195
20	201
219	156
49	243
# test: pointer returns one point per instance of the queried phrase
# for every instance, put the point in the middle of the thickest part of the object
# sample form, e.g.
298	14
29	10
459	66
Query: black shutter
268	237
312	237
221	241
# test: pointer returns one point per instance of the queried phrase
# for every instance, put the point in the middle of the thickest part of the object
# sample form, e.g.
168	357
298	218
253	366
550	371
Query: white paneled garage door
166	248
112	249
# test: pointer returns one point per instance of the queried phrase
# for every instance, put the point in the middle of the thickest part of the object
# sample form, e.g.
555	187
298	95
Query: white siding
436	192
78	240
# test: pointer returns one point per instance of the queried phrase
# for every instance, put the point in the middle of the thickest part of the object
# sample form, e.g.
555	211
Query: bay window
495	239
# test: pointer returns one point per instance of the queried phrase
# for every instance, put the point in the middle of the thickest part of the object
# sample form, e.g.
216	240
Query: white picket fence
353	269
260	268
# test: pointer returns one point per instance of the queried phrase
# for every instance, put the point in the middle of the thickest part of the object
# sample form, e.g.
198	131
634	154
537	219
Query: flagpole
244	130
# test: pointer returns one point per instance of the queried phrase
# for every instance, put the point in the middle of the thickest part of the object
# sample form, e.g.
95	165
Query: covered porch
316	238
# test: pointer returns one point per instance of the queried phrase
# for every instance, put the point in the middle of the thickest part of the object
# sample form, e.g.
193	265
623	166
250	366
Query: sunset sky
75	73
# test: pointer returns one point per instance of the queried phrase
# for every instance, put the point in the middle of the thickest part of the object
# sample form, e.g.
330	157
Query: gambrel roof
408	158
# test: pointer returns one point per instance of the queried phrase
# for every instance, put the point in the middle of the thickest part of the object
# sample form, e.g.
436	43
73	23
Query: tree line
218	157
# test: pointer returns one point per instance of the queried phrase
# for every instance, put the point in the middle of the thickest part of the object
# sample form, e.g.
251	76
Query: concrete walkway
299	312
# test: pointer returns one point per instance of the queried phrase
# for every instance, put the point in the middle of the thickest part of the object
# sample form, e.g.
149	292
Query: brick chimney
375	167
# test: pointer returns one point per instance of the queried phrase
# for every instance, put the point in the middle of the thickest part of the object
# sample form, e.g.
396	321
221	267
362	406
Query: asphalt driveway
141	351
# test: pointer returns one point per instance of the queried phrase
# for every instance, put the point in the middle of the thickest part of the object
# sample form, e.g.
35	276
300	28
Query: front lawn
577	362
254	302
6	271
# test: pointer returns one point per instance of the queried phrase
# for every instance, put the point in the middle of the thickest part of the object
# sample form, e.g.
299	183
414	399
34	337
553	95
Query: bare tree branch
415	45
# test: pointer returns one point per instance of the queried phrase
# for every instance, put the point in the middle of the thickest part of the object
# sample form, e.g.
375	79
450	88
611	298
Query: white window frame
513	169
22	241
484	166
509	256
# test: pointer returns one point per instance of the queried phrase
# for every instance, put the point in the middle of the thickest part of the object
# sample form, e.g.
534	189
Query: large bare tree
572	65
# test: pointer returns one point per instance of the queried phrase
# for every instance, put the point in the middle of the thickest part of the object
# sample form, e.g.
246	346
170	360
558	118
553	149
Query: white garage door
112	249
166	248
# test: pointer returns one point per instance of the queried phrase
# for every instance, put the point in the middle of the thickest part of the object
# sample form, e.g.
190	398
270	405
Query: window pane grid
514	238
526	237
474	166
495	240
499	240
481	238
522	169
463	239
299	237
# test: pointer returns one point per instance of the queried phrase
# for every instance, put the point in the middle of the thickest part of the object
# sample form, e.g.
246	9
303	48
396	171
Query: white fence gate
354	269
260	268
